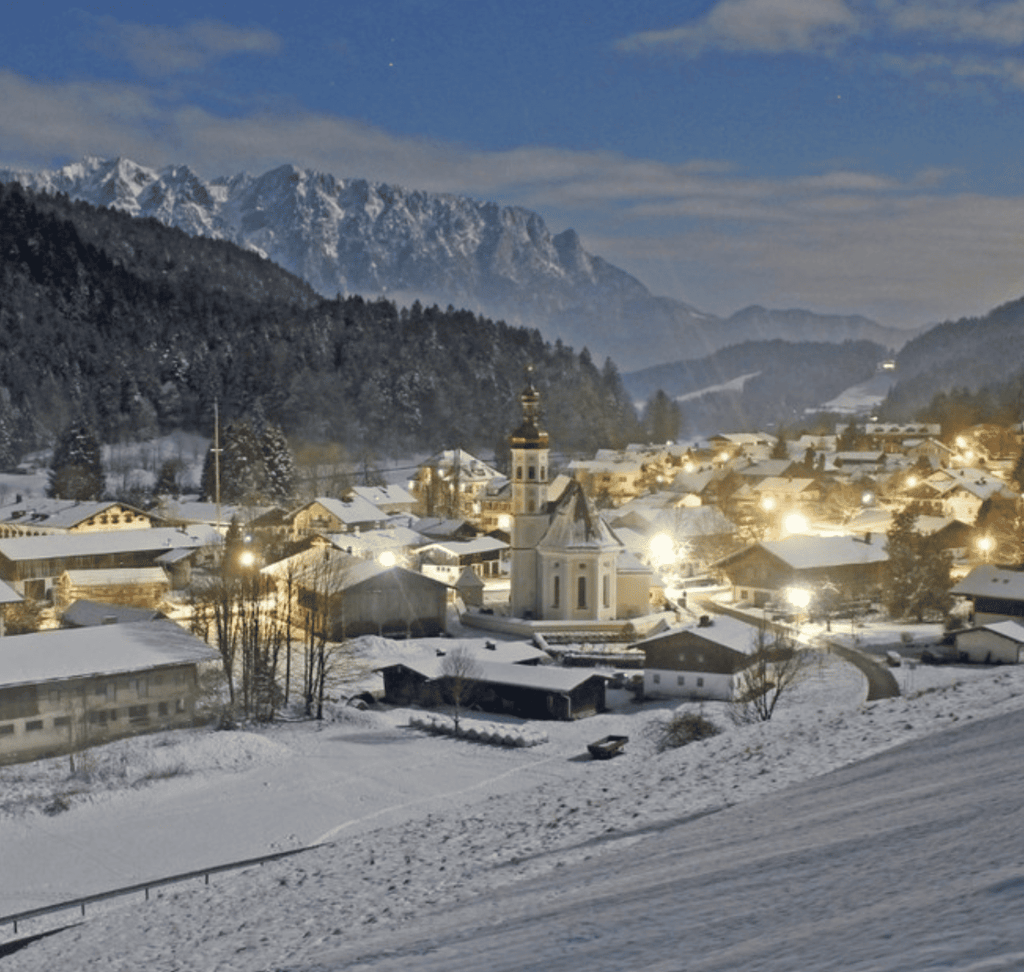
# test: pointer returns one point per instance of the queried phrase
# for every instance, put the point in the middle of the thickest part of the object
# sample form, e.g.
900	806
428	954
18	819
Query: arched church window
531	473
519	472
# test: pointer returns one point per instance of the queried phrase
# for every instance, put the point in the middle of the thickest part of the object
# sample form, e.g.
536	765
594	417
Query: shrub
683	728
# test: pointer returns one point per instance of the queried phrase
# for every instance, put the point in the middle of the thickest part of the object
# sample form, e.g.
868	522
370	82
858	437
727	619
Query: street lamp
985	545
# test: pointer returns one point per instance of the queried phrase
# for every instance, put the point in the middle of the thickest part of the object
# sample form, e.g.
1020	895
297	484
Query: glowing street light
767	503
799	597
247	559
662	550
387	559
795	523
985	545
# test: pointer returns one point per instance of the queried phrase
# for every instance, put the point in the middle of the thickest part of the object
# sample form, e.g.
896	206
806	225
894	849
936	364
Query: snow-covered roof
85	613
8	595
810	553
116	649
383	496
1010	630
371	542
470	468
352	510
576	524
127	576
727	632
988	580
102	542
466	548
545	677
59	514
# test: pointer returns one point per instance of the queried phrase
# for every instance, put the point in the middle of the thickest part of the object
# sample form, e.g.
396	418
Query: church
567	563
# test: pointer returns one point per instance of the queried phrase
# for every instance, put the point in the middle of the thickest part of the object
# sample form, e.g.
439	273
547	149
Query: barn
526	691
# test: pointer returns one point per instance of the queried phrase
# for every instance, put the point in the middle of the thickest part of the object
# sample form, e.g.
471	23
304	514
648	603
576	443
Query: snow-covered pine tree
278	464
76	472
918	571
242	471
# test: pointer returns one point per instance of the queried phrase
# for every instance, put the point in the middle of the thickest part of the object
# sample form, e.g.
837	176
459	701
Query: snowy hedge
487	732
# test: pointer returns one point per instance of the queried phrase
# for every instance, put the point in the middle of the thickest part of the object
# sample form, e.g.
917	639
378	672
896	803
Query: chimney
867	537
705	621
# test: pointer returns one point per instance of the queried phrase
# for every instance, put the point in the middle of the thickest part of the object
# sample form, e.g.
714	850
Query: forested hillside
782	381
962	358
138	328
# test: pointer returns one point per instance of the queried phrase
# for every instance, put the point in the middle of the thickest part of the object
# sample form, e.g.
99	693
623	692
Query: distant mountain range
352	236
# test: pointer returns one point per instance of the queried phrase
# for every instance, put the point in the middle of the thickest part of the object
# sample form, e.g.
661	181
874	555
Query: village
681	571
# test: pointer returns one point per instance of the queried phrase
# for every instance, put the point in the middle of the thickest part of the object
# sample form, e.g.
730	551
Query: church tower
530	519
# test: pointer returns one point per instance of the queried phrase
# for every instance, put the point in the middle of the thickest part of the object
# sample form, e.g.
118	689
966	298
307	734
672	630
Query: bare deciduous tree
461	671
775	665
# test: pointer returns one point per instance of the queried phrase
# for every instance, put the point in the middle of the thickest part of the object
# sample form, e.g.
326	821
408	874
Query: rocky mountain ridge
347	236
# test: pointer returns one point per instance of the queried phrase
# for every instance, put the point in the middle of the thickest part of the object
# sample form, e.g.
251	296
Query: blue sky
848	156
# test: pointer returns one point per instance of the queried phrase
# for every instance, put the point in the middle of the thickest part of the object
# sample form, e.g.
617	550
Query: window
179	705
7	730
62	722
519	472
162	708
581	592
700	683
556	592
681	680
531	472
34	725
606	591
656	679
138	713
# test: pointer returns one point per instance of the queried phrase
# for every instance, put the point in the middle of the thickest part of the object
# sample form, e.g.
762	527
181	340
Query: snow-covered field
744	851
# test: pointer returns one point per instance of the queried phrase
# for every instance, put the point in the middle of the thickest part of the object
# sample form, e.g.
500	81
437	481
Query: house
996	594
488	556
144	587
526	691
1000	642
32	564
697	662
37	517
325	514
65	690
396	542
612	480
452	483
392	499
764	571
356	596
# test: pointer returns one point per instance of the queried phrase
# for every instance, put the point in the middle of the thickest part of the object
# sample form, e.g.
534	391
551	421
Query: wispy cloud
1000	24
156	50
766	26
969	38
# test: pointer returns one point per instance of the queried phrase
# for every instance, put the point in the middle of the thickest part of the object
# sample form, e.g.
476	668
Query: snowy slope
768	847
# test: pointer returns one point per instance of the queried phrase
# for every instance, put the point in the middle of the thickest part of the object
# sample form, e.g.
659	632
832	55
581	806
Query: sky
844	156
